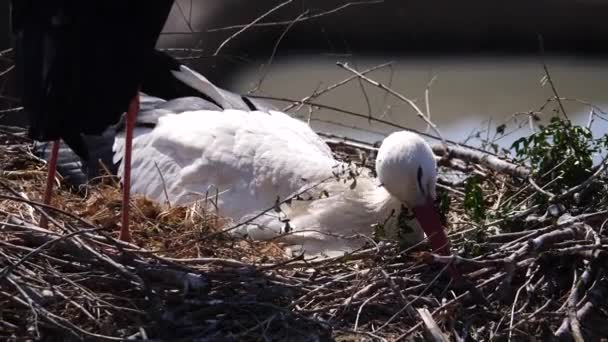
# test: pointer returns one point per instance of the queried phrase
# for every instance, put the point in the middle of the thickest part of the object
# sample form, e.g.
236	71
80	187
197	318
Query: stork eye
420	180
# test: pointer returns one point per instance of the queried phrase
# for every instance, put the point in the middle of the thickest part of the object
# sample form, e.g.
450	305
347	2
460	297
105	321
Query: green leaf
474	205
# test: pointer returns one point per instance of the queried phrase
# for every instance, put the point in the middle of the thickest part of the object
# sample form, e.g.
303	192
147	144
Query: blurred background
481	60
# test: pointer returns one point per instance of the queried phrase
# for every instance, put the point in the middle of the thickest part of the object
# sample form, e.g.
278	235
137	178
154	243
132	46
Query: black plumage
165	91
79	63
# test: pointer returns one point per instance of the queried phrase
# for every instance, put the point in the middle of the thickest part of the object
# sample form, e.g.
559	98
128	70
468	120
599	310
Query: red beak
428	218
429	221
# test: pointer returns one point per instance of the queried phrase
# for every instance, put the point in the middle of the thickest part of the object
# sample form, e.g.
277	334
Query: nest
539	271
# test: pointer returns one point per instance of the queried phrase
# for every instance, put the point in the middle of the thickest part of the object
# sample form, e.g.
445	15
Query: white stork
256	159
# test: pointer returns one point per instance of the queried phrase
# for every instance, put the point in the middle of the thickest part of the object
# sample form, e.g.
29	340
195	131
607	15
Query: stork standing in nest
80	65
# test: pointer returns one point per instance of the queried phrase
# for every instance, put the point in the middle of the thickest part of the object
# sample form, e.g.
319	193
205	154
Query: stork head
407	169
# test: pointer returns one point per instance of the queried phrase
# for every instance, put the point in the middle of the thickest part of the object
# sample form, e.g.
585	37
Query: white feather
221	97
251	159
199	82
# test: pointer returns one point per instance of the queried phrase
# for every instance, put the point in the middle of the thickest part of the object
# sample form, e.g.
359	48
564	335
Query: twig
61	322
431	326
274	51
581	186
7	70
541	46
7	270
162	179
306	18
316	94
411	103
427	101
396	314
513	307
256	20
361	309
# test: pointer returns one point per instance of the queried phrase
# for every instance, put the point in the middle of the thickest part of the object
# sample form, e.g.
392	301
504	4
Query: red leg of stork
125	235
50	181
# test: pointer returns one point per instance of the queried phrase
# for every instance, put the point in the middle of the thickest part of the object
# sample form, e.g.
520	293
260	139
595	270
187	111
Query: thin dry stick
366	97
555	197
596	108
411	103
7	70
5	51
450	302
532	315
10	110
274	51
361	309
433	329
313	16
334	86
427	101
428	286
540	189
285	3
588	181
591	117
387	107
162	178
513	307
55	319
458	150
39	205
7	270
575	325
541	45
188	20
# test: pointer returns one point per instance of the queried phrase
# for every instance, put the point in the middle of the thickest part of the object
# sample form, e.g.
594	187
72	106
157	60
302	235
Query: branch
305	18
411	103
217	51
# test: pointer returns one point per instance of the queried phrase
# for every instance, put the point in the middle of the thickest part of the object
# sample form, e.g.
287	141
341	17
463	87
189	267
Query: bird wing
250	158
223	98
